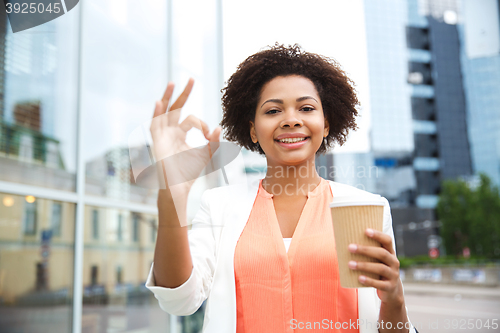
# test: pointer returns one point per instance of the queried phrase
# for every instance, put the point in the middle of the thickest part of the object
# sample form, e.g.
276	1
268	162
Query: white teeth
291	140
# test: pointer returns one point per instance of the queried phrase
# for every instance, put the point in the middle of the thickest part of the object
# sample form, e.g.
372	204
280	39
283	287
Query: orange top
278	291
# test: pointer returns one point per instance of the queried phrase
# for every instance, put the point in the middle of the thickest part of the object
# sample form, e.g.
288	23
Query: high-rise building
479	32
424	93
417	99
391	135
437	98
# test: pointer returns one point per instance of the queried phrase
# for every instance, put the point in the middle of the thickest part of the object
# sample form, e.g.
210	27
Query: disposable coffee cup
351	217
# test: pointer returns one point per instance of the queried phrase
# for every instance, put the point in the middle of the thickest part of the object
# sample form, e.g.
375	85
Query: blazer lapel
368	305
239	203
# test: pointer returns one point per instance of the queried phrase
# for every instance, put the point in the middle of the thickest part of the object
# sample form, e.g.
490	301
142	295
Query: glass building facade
428	95
439	111
480	59
424	113
77	235
38	126
391	120
391	132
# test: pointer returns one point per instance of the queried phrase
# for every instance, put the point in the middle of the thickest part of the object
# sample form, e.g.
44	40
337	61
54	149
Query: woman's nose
291	119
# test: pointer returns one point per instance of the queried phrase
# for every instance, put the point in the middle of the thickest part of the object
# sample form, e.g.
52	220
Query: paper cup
351	217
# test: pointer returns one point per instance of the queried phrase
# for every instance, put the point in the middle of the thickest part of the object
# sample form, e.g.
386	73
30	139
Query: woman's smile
292	143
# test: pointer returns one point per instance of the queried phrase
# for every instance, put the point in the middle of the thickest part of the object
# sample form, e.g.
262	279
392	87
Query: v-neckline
273	220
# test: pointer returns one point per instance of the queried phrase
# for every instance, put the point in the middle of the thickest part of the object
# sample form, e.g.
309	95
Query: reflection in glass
125	60
29	218
118	253
37	105
36	264
95	224
56	218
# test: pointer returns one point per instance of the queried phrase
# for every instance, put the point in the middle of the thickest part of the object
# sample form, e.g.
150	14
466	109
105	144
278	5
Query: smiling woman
274	263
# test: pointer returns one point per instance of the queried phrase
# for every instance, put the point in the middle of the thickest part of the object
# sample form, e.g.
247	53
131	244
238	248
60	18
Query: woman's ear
327	128
252	132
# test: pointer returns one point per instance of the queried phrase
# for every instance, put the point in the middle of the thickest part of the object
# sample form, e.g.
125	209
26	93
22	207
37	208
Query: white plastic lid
343	201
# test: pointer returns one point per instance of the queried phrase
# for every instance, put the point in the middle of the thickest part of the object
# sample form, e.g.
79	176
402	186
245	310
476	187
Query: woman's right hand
179	163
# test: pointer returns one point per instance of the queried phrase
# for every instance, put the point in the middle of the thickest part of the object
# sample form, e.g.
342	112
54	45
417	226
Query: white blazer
216	229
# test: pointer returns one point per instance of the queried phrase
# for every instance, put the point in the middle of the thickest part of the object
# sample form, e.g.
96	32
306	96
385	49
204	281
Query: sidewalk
464	291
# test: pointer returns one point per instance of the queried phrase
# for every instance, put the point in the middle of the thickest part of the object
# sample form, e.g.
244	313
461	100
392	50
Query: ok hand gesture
180	164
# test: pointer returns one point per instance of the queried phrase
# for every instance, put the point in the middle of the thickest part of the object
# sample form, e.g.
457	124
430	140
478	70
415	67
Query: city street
453	309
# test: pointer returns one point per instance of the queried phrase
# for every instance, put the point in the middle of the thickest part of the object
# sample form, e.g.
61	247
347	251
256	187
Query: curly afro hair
242	93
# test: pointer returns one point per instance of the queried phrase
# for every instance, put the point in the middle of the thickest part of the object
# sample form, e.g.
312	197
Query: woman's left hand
389	287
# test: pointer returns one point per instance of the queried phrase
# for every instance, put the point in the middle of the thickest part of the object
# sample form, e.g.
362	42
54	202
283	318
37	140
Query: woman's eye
272	111
307	108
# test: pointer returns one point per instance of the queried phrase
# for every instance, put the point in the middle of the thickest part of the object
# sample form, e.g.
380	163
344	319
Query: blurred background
77	235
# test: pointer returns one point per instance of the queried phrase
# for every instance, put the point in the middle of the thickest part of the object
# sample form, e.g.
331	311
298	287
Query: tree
470	217
486	230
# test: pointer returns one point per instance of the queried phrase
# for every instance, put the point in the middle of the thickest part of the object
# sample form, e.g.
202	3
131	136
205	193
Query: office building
77	234
437	98
479	33
425	94
391	132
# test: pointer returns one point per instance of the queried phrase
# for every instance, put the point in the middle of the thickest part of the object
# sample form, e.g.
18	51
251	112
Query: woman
288	105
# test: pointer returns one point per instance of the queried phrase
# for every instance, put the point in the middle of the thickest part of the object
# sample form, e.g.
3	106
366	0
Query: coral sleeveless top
281	292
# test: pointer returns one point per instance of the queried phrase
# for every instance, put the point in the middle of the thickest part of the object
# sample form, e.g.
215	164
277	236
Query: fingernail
352	264
369	232
362	278
353	247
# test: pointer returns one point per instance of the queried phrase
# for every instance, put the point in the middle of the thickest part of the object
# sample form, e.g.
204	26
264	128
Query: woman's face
289	109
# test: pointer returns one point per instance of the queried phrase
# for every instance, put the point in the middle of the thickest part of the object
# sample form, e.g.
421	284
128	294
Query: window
94	275
417	38
30	218
95	224
41	276
135	227
419	73
119	232
153	230
56	218
119	275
